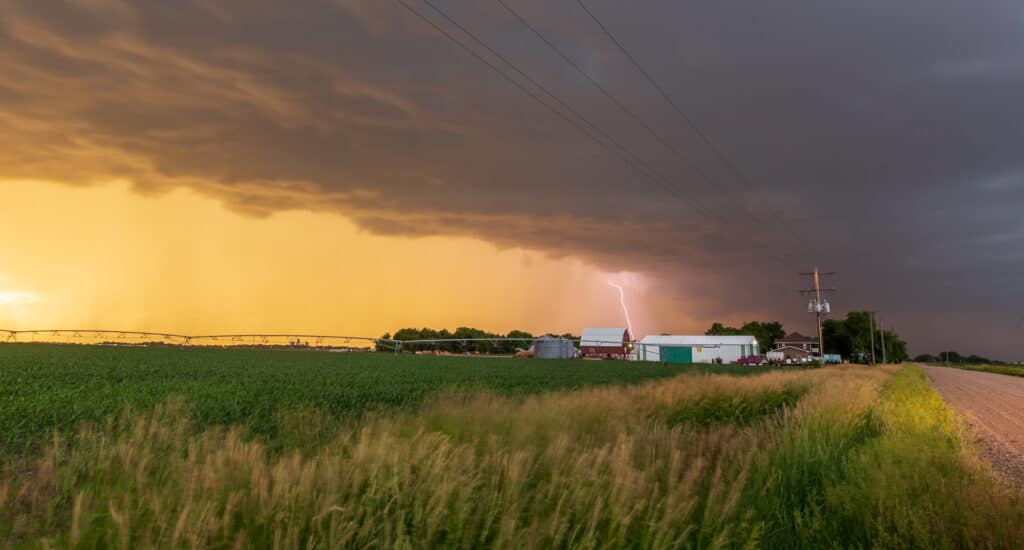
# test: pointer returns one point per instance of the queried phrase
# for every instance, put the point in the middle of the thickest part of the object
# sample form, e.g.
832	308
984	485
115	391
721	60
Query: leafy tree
718	330
523	340
519	334
981	360
765	332
383	347
462	340
469	334
410	334
851	337
925	358
895	348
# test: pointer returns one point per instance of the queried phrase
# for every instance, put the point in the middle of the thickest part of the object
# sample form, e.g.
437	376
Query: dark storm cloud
886	136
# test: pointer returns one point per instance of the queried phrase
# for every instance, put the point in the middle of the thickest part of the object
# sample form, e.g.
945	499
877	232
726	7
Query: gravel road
993	405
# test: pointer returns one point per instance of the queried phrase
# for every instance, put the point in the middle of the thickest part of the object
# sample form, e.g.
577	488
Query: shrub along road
994	407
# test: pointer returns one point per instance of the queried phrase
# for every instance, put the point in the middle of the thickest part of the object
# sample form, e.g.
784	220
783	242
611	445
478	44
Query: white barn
672	348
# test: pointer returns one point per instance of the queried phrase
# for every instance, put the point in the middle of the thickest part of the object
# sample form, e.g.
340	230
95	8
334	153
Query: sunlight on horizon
180	262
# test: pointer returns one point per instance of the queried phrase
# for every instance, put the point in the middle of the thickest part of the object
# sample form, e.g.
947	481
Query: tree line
956	358
487	342
850	337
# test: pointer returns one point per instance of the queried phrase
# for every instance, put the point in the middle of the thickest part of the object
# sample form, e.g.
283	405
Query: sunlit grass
841	457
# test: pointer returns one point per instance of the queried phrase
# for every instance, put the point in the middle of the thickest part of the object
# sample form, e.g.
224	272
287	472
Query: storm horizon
356	167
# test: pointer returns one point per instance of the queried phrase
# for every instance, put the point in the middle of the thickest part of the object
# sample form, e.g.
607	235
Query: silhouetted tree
851	337
766	333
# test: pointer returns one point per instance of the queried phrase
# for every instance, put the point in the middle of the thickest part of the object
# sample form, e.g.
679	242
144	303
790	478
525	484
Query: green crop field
205	448
47	387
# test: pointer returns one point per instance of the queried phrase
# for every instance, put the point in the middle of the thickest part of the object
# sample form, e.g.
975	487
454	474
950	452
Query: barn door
677	354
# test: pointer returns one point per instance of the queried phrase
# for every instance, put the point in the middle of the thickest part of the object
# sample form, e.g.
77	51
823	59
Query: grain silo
551	347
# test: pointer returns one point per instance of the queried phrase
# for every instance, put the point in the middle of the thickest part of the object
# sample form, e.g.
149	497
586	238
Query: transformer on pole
817	305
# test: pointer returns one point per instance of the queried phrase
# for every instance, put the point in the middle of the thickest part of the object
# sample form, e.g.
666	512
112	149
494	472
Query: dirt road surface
993	405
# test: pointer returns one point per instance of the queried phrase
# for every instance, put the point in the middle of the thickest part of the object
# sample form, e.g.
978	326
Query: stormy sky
881	140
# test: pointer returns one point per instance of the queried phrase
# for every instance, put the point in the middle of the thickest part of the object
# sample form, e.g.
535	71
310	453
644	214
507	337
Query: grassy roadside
843	457
908	479
996	369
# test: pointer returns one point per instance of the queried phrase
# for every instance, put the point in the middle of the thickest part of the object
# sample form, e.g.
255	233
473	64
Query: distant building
671	348
610	343
797	346
553	347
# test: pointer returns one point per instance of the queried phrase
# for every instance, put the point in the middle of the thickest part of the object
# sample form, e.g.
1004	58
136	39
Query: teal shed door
677	354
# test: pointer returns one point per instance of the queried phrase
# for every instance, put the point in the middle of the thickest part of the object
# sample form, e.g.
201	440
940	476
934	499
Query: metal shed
671	348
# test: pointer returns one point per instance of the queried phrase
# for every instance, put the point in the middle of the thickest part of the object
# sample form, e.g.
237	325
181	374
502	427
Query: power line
624	151
630	158
619	103
740	177
872	337
881	334
611	97
689	121
632	114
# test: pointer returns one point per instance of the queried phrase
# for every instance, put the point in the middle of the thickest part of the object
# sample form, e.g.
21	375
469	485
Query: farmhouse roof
794	348
683	340
797	337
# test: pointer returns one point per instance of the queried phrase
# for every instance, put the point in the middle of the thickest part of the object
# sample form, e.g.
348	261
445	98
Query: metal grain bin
550	347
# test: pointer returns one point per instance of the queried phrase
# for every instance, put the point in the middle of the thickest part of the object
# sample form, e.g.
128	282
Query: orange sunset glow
180	262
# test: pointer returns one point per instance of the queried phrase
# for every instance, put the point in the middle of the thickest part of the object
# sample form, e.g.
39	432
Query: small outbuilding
671	348
609	343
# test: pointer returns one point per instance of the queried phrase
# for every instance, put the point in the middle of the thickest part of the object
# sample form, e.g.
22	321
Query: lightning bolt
622	300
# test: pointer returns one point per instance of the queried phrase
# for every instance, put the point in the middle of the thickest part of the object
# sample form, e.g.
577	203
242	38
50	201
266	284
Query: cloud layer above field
880	140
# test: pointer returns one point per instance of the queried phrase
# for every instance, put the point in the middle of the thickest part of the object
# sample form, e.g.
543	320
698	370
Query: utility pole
872	337
818	306
881	334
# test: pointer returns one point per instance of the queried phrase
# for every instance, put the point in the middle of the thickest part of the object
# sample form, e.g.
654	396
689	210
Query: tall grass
656	465
921	481
1009	370
897	474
